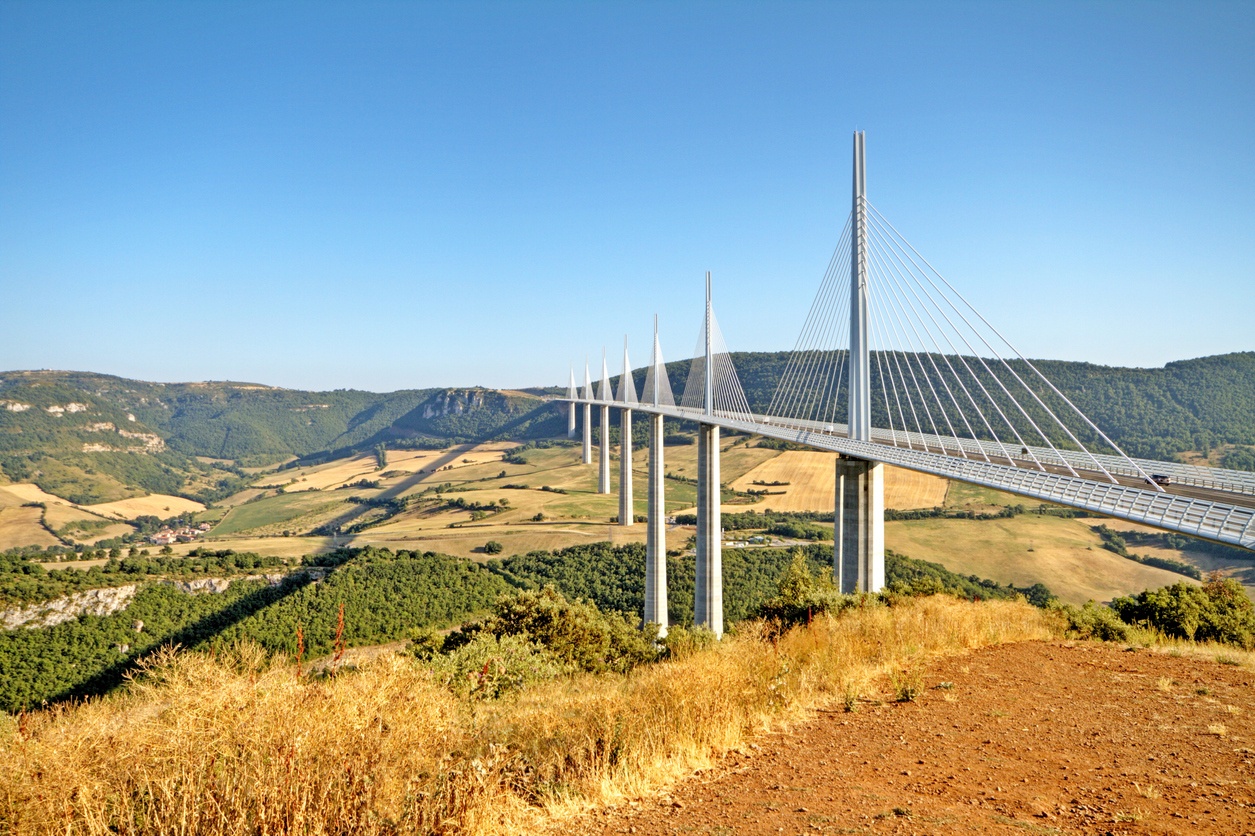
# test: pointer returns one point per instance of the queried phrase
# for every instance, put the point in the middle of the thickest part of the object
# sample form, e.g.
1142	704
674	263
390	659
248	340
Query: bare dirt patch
1033	737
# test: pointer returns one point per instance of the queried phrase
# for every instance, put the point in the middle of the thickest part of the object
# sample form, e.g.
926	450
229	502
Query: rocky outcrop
100	602
114	599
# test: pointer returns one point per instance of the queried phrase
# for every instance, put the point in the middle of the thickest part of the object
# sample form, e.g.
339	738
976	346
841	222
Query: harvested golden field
24	492
737	456
321	477
812	484
21	527
468	541
268	546
59	516
156	505
1063	554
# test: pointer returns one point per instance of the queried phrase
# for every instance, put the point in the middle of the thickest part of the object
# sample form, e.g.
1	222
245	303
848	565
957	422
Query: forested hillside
91	437
383	595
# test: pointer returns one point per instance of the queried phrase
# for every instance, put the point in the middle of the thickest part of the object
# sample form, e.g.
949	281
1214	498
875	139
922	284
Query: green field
273	511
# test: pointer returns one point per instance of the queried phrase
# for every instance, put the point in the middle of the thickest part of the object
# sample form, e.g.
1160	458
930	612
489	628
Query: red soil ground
1027	738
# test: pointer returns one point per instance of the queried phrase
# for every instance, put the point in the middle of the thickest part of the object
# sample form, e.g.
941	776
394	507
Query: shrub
1092	621
578	634
490	667
1219	611
801	596
493	547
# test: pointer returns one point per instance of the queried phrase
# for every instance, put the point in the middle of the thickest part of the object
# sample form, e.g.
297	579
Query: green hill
91	437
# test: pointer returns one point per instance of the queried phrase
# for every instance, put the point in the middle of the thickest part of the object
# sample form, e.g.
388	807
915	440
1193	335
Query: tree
493	547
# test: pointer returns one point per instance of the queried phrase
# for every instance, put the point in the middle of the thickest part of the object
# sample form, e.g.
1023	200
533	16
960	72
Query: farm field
21	527
1241	570
1063	554
155	505
812	484
21	492
273	511
59	516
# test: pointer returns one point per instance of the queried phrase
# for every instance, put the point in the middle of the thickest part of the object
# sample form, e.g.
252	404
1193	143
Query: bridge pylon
570	393
708	605
858	560
587	457
657	392
627	396
605	396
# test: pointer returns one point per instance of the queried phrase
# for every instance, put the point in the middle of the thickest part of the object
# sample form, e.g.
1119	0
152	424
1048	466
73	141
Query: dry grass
812	484
1065	554
211	746
21	527
157	505
24	492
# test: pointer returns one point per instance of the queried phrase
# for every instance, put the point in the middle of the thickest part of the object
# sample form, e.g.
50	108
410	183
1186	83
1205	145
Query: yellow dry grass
58	516
227	745
21	527
737	456
1063	554
268	546
156	505
26	492
812	484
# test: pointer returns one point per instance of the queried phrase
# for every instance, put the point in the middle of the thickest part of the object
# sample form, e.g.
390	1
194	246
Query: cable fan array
943	379
727	396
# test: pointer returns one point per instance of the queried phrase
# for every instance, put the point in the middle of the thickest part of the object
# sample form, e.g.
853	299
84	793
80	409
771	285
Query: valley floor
1031	737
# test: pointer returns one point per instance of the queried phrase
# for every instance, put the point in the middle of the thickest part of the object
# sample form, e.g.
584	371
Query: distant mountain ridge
94	437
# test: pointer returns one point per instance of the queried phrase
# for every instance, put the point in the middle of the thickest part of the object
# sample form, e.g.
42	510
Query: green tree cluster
1218	611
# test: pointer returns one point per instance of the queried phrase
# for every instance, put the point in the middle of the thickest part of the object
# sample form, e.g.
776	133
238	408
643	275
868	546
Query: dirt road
1025	738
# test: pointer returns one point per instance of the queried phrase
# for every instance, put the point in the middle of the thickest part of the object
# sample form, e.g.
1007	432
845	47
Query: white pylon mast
710	366
654	362
860	358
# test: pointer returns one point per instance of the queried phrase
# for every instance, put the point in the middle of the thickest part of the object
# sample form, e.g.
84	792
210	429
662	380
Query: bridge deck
1211	517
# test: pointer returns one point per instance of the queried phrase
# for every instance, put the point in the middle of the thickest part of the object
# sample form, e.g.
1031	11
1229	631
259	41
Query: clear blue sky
390	195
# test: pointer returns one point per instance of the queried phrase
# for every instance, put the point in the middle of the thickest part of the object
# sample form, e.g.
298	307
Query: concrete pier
858	559
588	435
708	604
627	510
603	470
656	533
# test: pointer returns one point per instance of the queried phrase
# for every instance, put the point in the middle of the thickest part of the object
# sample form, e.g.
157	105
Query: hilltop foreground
1037	737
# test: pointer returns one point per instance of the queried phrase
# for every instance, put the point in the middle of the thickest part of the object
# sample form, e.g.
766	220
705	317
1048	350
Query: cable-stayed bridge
893	366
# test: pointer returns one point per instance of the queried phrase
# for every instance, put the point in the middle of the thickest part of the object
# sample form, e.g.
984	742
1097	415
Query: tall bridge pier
603	461
656	514
587	457
708	604
656	531
627	395
570	422
858	559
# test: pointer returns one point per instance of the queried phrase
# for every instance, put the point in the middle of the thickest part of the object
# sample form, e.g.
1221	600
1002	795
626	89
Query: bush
493	547
1092	621
490	667
1219	611
578	634
801	596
